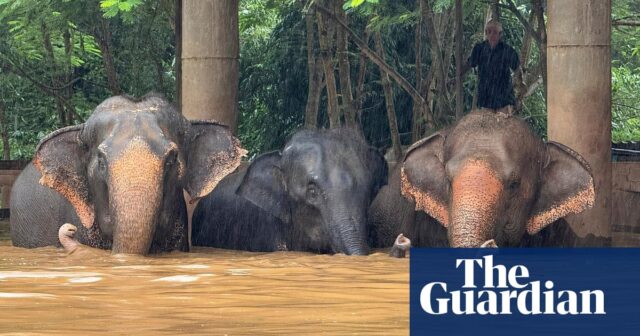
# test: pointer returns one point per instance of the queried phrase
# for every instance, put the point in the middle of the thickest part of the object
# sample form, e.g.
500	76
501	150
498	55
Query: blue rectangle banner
581	291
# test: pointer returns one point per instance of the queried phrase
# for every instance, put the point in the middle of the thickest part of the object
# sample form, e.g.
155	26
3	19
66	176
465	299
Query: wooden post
579	96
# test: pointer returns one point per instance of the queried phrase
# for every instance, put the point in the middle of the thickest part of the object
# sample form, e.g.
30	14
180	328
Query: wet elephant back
37	212
223	219
391	214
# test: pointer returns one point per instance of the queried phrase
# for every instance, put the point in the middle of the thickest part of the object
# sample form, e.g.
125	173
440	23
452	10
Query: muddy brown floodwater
208	291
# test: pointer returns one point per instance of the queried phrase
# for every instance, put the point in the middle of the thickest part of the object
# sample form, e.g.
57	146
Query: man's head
493	32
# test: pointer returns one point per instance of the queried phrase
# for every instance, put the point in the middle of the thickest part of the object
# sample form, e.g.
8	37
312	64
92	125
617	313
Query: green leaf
108	3
356	3
125	6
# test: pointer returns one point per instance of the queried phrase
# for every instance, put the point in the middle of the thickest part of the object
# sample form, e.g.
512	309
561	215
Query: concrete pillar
210	65
579	96
210	60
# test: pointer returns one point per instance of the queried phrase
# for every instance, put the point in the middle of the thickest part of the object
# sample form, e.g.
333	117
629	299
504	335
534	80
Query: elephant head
320	186
490	177
124	169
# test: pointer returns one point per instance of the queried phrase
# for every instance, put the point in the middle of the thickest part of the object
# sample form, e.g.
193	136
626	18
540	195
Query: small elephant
121	176
313	196
487	177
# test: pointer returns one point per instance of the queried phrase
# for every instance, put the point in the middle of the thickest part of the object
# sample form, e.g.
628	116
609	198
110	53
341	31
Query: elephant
312	196
486	177
121	175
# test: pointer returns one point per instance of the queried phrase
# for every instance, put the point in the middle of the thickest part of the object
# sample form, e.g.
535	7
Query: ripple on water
25	295
238	271
48	275
178	278
196	266
85	280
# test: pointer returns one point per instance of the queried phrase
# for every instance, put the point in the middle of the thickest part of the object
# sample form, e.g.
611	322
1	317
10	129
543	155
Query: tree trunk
314	71
520	85
418	107
6	152
542	31
177	19
67	92
362	71
493	12
344	69
48	47
374	57
4	132
458	41
103	35
436	60
325	37
388	97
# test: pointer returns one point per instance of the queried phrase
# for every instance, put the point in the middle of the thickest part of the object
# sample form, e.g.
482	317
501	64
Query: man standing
495	61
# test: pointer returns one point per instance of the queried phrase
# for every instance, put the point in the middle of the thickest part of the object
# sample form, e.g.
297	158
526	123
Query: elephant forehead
137	157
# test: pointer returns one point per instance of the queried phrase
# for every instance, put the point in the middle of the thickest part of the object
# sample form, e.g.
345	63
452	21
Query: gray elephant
121	176
487	177
313	196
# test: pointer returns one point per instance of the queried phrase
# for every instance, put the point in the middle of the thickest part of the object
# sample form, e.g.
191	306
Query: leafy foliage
55	52
40	71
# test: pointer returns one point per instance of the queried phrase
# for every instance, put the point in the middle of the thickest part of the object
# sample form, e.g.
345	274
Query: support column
210	65
579	96
210	60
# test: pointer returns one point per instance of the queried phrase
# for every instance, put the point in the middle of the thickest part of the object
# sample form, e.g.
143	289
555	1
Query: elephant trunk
347	231
135	198
476	195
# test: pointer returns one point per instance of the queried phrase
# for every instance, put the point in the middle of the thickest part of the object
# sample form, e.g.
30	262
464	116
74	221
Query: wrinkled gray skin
120	177
487	177
313	196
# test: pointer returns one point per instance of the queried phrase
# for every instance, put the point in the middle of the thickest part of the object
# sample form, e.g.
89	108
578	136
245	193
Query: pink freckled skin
476	192
66	235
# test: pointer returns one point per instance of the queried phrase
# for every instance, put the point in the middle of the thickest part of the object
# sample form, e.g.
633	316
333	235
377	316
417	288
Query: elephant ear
423	177
566	187
264	185
213	153
379	169
59	158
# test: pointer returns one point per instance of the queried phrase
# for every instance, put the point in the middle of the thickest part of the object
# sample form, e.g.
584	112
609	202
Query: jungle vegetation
385	68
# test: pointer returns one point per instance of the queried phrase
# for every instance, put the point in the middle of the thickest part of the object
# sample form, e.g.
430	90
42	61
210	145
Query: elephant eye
171	159
313	192
514	184
102	162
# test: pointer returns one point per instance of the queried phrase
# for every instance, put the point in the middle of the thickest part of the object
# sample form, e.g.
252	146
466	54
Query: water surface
208	291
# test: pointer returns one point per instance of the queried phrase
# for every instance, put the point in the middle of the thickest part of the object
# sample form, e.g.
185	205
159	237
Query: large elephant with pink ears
487	177
120	177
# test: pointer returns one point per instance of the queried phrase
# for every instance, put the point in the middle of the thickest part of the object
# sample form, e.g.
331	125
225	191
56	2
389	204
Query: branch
527	25
50	90
630	23
374	57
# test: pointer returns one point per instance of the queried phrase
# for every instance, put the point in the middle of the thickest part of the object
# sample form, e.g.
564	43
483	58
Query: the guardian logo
504	287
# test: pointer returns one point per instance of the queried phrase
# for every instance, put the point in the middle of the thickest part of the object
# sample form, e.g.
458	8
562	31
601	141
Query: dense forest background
302	63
